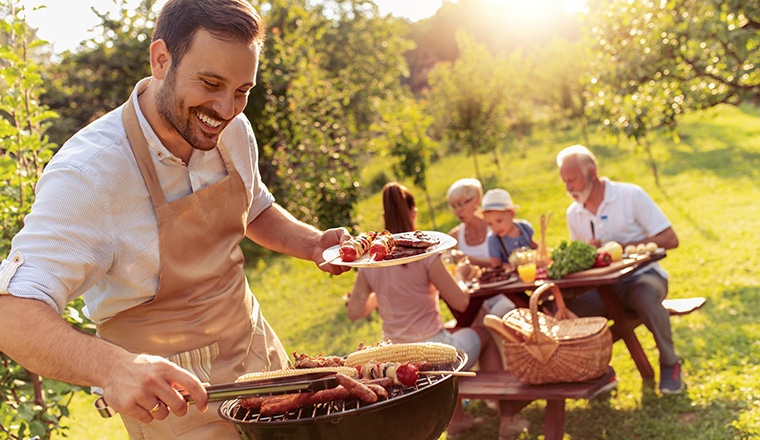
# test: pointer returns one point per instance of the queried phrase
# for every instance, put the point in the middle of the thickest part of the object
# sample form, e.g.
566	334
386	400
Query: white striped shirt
92	231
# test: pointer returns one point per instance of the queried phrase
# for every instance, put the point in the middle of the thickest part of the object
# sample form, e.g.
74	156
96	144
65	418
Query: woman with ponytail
407	298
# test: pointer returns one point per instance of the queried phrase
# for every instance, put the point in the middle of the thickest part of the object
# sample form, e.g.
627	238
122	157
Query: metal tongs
236	390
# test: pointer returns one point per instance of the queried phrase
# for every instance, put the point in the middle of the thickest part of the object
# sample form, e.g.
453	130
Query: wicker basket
539	348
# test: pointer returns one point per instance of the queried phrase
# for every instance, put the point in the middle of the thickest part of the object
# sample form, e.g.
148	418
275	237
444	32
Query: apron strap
142	155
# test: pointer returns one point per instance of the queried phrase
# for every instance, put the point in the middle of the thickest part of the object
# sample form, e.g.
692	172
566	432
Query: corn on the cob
433	352
348	371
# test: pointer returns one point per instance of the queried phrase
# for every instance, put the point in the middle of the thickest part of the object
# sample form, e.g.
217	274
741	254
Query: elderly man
632	218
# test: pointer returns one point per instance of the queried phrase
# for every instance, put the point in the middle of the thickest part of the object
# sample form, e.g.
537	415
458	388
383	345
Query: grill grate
335	408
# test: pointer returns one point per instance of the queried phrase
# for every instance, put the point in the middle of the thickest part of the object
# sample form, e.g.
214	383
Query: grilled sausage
328	395
257	401
282	406
381	392
357	388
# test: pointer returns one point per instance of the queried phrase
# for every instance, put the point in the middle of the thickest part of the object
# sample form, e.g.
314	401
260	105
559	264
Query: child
508	234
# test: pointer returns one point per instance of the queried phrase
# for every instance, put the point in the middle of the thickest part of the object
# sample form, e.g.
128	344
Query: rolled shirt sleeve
61	258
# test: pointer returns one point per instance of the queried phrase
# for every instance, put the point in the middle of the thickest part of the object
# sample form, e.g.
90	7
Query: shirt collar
610	191
610	194
155	146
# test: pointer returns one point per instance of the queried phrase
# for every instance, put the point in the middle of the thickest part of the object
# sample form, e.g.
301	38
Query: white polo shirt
92	231
631	213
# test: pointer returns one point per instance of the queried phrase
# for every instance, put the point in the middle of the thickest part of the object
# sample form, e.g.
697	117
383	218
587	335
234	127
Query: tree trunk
475	162
39	393
430	209
652	163
495	152
584	130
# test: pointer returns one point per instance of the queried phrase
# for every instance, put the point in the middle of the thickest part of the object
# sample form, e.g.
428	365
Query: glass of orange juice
449	262
527	272
526	265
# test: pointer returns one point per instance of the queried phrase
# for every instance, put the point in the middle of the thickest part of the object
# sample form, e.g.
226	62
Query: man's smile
211	122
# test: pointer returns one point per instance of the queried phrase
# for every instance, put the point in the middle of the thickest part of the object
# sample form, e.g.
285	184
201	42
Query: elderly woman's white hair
464	189
586	159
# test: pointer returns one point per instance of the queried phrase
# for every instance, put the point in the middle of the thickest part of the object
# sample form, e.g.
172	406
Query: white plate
445	241
509	280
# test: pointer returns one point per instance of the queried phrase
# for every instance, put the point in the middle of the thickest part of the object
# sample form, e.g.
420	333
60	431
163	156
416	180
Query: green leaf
8	168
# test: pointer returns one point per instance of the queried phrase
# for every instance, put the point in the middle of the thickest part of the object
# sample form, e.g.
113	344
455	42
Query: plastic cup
527	272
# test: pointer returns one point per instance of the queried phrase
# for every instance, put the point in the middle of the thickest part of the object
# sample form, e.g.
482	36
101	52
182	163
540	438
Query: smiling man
141	213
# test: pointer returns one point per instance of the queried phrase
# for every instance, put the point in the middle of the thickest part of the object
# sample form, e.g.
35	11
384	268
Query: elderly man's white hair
586	159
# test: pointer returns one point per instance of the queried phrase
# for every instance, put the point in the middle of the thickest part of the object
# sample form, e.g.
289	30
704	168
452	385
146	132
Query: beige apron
203	316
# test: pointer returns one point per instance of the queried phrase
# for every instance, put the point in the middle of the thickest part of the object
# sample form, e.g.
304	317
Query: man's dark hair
179	20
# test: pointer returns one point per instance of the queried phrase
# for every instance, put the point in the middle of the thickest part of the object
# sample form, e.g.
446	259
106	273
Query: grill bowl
420	412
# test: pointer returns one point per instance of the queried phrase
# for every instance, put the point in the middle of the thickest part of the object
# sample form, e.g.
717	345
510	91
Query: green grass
710	187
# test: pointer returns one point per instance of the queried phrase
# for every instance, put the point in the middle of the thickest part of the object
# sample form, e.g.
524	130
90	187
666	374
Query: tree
475	100
31	405
559	76
100	76
402	132
322	73
501	26
657	60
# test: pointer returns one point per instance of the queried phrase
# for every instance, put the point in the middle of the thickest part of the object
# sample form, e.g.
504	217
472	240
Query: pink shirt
407	300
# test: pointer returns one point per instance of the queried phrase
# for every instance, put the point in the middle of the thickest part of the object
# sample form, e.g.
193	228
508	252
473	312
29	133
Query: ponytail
398	208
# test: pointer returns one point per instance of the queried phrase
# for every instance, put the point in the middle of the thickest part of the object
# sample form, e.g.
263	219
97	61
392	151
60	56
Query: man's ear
592	173
160	59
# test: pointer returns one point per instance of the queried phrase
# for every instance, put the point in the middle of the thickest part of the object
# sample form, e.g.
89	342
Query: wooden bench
676	307
683	306
514	395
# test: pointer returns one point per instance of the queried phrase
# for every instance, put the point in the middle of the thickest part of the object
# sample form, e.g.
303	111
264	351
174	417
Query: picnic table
623	327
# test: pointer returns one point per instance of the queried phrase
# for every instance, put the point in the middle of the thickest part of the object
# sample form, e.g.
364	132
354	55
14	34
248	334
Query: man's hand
146	388
597	243
331	237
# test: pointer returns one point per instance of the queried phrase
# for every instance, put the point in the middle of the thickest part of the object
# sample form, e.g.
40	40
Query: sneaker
670	379
467	422
509	427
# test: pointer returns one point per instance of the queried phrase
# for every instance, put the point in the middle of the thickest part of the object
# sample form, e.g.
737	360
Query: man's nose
225	105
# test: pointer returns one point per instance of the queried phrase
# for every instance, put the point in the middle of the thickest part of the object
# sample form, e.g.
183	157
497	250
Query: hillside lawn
710	187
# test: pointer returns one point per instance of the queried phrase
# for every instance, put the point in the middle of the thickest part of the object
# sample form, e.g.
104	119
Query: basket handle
539	344
543	290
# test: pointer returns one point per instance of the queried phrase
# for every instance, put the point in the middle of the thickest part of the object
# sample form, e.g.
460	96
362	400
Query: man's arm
666	239
36	337
276	229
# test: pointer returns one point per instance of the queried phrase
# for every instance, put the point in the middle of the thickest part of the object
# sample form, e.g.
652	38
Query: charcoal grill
419	412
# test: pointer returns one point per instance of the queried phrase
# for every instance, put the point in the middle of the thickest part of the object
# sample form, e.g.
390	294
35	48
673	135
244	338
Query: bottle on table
604	233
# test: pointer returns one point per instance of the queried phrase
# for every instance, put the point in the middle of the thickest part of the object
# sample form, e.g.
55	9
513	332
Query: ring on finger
155	408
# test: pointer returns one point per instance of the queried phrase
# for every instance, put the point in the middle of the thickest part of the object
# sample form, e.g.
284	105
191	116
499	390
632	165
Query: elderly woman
472	233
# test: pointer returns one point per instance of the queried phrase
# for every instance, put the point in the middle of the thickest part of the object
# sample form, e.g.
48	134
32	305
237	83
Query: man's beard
582	196
171	109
